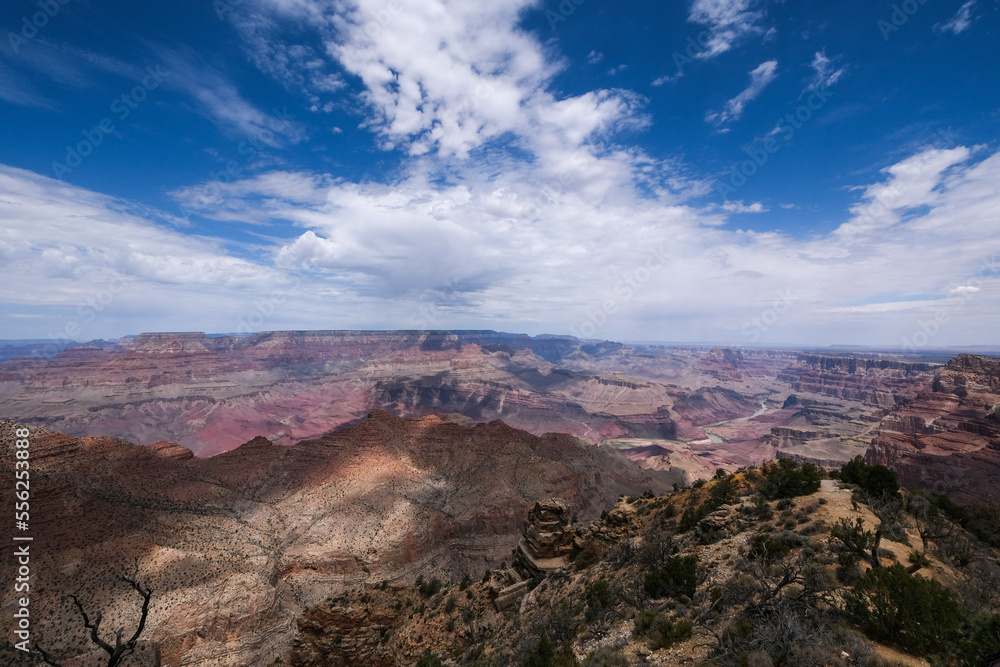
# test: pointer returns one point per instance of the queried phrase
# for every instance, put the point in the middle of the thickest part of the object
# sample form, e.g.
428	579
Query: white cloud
594	57
740	207
535	245
666	78
728	20
824	72
961	21
513	249
518	249
913	183
760	77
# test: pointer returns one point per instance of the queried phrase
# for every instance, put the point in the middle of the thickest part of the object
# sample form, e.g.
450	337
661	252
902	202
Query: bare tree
930	521
862	543
121	649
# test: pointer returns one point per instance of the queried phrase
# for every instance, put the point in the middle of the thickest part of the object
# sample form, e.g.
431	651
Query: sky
743	172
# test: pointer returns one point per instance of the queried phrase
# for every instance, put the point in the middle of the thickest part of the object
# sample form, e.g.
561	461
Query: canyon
691	408
255	480
238	545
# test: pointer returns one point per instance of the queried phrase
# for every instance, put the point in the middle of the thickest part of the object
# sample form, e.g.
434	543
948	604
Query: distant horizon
834	347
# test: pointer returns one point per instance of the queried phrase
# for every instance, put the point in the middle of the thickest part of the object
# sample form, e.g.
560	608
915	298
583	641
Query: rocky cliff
237	546
948	437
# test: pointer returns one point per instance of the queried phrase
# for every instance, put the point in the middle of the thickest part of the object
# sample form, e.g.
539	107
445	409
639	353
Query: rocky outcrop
867	380
548	538
945	438
237	545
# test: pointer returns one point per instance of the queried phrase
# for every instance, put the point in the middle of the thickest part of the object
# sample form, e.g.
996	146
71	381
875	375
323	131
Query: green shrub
691	517
876	481
663	632
678	577
429	659
788	480
597	596
545	655
667	633
982	645
913	612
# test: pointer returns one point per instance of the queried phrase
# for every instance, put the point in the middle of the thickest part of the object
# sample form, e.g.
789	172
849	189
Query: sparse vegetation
910	611
788	479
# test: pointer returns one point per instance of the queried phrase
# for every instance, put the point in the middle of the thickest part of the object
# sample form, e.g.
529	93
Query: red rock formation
947	438
856	378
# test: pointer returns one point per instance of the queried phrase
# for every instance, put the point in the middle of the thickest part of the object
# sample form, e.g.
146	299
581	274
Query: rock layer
237	545
947	438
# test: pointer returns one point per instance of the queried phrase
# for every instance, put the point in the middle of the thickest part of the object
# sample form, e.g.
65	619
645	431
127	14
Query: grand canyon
252	480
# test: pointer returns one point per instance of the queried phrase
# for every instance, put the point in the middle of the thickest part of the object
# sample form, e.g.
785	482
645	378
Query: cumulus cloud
517	249
538	239
760	77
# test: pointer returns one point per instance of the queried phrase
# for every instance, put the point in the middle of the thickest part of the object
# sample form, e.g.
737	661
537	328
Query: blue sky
748	172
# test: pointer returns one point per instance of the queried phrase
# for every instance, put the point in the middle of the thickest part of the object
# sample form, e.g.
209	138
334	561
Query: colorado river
718	439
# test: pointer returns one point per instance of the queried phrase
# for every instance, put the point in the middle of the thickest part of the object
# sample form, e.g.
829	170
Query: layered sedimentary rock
548	538
211	393
948	437
236	546
857	379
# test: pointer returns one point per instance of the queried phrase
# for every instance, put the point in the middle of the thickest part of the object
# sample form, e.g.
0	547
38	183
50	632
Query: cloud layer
517	207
